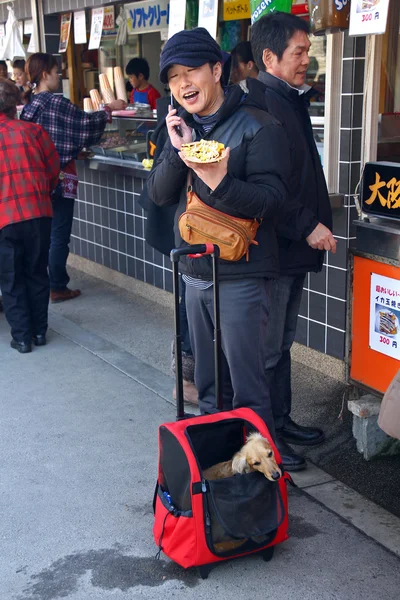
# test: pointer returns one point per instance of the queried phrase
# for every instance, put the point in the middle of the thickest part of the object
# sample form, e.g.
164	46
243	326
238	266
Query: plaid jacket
29	169
69	127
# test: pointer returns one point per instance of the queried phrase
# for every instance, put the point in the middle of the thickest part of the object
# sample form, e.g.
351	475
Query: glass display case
127	138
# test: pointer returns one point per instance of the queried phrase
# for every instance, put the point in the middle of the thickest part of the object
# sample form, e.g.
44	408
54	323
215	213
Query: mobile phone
177	127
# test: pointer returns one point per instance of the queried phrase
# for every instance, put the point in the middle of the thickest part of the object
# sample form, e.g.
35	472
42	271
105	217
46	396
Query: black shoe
293	433
290	460
39	340
22	347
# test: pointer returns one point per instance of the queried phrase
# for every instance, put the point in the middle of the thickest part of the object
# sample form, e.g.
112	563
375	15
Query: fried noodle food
387	323
204	151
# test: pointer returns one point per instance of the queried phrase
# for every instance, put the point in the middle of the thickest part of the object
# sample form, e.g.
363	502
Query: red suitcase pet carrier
200	522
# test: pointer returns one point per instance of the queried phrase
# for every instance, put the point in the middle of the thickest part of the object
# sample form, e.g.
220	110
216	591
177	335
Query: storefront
109	223
374	327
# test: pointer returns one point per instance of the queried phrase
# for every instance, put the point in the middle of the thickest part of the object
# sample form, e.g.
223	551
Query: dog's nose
276	475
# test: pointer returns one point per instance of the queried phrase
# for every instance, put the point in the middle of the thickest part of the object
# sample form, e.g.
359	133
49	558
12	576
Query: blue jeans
284	302
63	214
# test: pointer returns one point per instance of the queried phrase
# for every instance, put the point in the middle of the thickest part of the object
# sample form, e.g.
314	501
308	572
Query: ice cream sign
259	8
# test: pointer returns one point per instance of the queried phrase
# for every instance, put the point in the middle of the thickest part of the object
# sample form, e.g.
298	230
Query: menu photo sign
64	31
384	323
208	16
96	28
368	16
380	192
80	27
177	14
145	17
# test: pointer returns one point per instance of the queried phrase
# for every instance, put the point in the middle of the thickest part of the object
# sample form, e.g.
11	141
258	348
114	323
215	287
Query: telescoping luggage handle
196	251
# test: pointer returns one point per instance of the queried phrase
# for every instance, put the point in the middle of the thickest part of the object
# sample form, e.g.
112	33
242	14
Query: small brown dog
255	455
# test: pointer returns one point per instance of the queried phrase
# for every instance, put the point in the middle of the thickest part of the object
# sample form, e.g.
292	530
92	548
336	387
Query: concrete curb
364	515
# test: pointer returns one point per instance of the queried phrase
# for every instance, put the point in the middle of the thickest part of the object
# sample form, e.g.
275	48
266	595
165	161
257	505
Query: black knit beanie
191	48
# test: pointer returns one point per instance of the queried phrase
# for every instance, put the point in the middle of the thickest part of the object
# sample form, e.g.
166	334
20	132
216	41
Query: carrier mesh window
245	511
174	470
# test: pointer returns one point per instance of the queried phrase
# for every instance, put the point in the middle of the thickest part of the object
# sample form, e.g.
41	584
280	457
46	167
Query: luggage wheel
205	570
267	554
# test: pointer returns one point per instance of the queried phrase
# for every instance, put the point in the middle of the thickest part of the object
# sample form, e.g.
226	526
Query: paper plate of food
203	151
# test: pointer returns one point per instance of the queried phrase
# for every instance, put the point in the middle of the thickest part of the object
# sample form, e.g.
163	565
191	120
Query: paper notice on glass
2	37
384	322
96	28
64	31
177	13
28	27
80	27
368	17
208	16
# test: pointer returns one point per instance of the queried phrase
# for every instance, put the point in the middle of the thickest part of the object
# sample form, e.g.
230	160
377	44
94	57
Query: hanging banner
96	28
177	14
2	36
208	16
109	19
384	323
368	16
145	17
64	32
80	36
259	8
236	9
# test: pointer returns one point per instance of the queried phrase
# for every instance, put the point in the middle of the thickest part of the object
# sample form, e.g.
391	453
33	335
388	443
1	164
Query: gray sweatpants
244	320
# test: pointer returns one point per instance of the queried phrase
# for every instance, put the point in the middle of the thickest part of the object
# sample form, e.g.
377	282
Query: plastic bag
389	414
13	47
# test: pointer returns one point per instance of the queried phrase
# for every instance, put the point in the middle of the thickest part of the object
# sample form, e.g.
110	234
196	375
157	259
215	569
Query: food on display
96	99
88	105
119	83
105	89
204	151
387	322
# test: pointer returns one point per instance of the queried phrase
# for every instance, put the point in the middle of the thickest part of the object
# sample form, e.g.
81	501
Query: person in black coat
280	46
240	185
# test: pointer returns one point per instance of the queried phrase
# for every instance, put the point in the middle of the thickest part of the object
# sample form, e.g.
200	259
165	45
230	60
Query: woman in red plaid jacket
29	169
71	130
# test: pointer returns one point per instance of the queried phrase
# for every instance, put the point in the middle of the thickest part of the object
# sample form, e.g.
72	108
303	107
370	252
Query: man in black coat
280	46
240	185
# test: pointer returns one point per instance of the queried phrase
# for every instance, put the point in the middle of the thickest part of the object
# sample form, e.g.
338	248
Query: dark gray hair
9	97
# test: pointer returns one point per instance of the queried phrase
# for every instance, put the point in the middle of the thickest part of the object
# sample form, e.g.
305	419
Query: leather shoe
293	433
22	347
39	340
63	295
290	460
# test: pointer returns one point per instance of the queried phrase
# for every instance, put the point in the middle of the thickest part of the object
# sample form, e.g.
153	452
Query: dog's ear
239	464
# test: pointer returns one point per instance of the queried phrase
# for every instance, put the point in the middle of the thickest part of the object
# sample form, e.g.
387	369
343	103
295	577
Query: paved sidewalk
78	440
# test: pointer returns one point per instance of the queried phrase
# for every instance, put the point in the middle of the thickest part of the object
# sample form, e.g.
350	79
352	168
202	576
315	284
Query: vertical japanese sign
109	19
208	16
177	14
64	31
368	16
145	17
236	9
80	27
96	28
384	323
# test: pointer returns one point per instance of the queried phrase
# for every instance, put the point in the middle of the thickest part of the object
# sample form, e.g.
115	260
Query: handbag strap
189	181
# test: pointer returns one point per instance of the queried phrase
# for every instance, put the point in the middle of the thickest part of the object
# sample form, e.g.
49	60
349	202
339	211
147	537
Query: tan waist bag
201	223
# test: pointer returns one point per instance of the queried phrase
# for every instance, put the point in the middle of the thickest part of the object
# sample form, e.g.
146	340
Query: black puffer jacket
307	184
255	186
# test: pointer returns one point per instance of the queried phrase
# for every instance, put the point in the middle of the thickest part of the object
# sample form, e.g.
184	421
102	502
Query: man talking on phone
239	185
